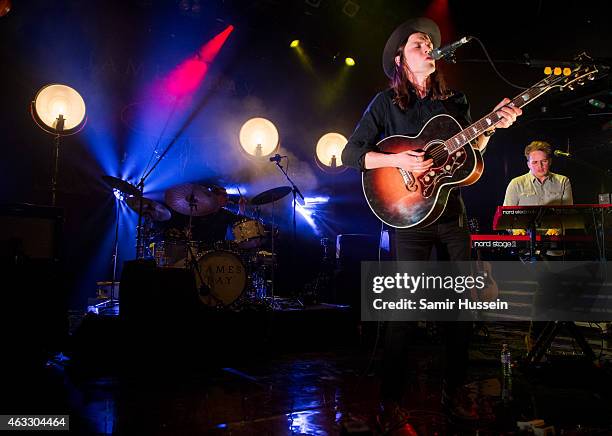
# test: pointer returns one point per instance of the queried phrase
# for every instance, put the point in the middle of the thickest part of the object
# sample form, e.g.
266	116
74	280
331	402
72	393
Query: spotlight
259	137
294	43
307	215
350	62
310	202
60	111
118	194
329	152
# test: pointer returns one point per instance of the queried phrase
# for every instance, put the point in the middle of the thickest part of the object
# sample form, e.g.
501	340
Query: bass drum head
224	277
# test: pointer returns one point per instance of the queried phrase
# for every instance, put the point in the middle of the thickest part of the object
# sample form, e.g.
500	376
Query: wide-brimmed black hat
404	30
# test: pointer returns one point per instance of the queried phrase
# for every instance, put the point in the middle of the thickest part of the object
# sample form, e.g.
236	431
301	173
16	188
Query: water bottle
506	392
506	361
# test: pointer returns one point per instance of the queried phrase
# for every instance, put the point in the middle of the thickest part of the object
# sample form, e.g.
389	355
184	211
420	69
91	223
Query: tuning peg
570	87
591	76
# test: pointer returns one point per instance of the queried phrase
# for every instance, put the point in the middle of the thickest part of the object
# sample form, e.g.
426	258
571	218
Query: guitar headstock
581	70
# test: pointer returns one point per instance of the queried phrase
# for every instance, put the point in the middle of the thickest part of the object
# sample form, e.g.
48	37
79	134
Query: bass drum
224	278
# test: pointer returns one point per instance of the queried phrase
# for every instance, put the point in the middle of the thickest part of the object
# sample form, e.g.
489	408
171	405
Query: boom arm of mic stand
294	187
605	174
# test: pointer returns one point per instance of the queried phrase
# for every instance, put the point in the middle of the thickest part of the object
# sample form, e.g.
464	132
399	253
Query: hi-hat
157	211
121	185
191	199
271	195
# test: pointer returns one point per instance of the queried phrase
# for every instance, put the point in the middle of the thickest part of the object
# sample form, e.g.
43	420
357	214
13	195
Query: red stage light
439	11
187	76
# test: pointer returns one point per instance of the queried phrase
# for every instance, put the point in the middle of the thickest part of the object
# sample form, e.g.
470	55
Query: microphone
449	49
562	153
276	158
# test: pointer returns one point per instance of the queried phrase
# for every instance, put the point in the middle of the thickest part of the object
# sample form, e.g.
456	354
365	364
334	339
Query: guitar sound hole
438	154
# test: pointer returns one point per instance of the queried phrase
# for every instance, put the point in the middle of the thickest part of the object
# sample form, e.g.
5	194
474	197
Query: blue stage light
118	194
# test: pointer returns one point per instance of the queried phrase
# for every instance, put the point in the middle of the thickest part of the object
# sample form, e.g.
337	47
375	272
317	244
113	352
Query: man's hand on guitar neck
507	113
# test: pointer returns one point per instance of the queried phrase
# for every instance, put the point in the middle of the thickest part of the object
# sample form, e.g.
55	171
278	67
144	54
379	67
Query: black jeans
451	239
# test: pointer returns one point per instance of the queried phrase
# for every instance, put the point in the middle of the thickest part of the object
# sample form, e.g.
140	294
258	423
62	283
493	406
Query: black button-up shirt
383	118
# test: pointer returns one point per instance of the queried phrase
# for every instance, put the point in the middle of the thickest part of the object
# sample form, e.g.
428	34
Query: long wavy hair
401	84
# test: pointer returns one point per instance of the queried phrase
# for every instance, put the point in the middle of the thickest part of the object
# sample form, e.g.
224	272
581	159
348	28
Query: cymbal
121	185
191	199
157	211
271	195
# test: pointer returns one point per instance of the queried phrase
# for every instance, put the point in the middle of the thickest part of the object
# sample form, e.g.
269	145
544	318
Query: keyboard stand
551	330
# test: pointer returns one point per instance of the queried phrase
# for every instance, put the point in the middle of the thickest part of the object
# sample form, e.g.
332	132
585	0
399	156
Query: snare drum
248	233
224	277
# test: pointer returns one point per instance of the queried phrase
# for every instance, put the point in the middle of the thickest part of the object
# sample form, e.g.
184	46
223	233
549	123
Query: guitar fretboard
478	128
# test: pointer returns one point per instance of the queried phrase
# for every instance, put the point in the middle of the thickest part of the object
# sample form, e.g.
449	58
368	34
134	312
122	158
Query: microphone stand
295	191
605	173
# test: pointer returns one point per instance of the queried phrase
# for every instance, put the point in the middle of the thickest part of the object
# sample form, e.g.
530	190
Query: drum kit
228	273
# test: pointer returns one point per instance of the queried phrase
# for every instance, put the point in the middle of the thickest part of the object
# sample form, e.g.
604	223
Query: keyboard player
539	187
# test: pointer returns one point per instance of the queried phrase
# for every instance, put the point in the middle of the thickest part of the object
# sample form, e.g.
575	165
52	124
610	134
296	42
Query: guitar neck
478	128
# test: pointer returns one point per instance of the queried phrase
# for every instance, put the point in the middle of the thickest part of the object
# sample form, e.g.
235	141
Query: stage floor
287	388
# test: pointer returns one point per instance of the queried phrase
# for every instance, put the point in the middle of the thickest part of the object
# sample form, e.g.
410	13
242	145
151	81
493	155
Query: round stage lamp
259	137
329	152
60	111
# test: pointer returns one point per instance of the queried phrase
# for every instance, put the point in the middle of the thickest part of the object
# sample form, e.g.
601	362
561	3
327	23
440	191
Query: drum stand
270	300
273	266
112	302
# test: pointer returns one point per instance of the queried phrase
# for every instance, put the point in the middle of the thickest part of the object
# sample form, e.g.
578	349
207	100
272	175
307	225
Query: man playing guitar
416	94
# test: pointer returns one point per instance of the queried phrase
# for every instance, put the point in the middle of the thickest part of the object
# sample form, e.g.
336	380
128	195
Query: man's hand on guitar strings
412	161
